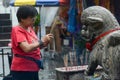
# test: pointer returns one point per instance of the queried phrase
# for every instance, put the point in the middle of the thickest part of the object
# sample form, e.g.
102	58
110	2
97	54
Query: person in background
80	48
26	43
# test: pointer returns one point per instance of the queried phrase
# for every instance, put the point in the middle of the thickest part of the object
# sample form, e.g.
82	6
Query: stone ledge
70	73
74	68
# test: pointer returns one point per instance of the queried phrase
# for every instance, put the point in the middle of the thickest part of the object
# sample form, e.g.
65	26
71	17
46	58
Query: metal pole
3	63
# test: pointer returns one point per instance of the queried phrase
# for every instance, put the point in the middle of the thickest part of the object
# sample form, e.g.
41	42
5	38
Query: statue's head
96	20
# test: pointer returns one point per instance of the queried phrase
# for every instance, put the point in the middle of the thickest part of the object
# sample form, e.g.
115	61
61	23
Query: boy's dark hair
26	11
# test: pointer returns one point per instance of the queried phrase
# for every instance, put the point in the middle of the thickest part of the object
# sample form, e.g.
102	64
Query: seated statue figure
102	31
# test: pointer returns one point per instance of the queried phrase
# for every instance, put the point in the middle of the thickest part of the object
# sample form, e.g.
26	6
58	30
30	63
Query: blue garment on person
72	21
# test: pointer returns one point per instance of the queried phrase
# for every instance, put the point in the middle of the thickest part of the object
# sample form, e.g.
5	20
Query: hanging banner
72	21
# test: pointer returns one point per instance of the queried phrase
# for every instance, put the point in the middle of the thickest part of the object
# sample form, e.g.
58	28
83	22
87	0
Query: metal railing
2	53
5	39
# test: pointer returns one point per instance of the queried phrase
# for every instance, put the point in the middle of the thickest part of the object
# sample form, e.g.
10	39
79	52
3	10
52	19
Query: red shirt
20	64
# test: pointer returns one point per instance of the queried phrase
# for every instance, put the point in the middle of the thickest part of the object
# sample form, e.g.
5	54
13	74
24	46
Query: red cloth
19	35
89	46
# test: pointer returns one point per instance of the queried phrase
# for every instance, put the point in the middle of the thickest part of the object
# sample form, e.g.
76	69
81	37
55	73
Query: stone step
5	22
5	35
5	16
4	29
4	42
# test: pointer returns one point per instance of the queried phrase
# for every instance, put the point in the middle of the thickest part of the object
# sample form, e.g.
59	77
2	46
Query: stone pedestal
76	73
92	78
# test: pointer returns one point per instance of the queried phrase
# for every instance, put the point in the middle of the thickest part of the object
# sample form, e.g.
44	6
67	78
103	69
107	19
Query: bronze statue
102	31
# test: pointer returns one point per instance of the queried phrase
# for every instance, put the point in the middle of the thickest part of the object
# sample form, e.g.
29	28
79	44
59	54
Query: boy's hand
46	39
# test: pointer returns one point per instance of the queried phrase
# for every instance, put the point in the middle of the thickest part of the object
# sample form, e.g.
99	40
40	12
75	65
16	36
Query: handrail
5	39
5	47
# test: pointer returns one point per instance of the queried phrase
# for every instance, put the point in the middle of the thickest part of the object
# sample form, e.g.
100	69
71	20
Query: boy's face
28	21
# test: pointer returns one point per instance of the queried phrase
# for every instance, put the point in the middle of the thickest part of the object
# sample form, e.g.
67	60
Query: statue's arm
92	65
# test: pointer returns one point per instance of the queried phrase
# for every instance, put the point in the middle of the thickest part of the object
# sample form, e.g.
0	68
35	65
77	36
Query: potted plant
37	23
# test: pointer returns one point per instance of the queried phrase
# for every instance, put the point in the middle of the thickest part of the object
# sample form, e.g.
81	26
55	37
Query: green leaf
37	21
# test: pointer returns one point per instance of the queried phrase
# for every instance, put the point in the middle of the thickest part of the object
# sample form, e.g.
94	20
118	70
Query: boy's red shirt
20	64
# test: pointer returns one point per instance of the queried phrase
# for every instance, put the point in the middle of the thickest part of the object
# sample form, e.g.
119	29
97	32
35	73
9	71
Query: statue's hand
114	40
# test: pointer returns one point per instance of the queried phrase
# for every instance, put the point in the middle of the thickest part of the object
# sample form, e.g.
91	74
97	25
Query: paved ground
50	63
49	66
